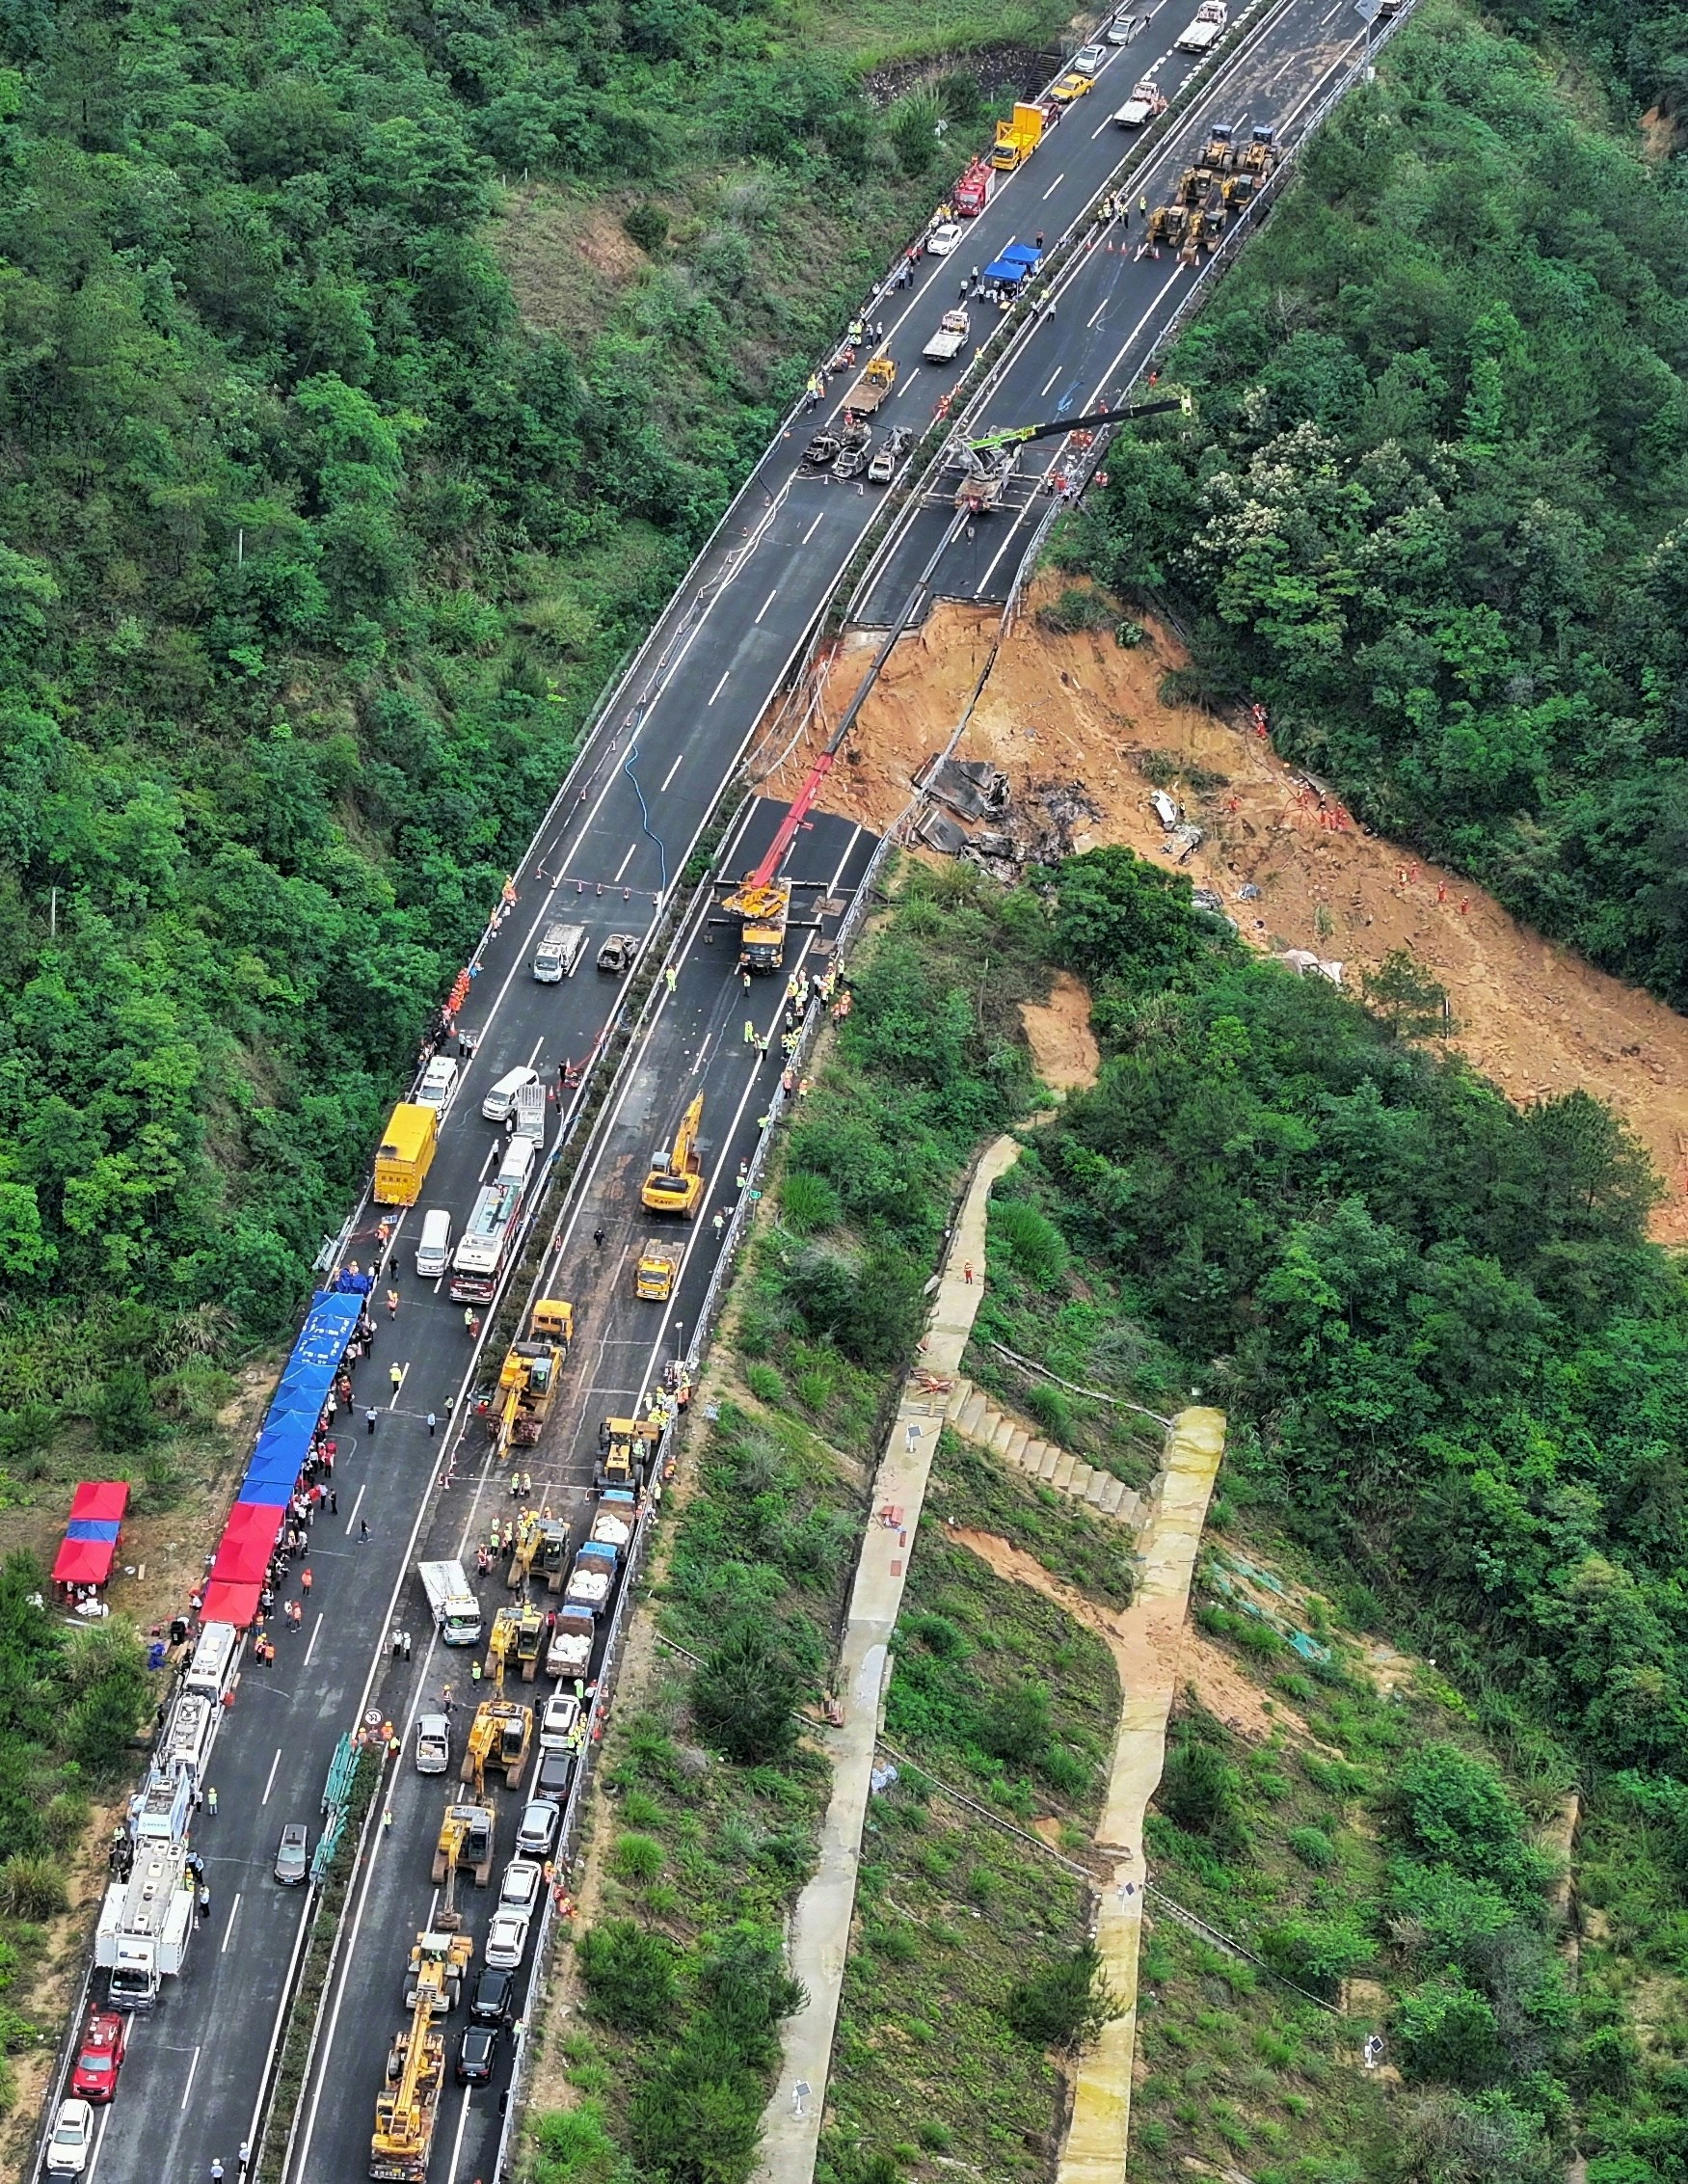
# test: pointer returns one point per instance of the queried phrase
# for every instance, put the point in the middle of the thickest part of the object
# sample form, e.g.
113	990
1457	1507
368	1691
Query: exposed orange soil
1059	1033
1080	708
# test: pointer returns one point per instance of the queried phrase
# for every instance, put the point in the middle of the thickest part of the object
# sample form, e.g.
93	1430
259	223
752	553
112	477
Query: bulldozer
622	1445
501	1737
526	1383
658	1270
530	1636
674	1183
465	1845
408	2105
552	1558
438	1959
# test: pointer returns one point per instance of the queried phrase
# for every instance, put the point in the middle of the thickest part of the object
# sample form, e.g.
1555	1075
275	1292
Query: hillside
1430	508
369	376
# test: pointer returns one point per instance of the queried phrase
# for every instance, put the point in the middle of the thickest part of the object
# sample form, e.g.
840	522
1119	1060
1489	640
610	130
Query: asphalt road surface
608	853
620	1345
1113	307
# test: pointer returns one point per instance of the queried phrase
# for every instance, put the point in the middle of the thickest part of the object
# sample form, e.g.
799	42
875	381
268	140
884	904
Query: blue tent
1031	259
284	1441
1008	272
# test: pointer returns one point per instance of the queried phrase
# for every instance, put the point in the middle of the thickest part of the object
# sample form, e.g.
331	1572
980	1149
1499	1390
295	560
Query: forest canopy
314	554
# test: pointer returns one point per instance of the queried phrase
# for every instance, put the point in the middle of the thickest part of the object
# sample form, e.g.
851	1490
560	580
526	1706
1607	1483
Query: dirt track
1531	1016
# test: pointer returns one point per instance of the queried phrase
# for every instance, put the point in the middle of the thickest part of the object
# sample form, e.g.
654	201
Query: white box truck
558	954
456	1611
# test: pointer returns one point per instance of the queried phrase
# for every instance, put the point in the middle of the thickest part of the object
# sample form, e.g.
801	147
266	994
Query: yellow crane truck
408	2105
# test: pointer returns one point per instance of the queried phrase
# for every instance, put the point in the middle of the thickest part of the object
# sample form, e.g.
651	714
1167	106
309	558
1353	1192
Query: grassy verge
1004	1695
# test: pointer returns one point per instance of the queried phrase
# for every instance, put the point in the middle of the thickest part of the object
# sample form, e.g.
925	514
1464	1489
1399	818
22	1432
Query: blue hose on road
627	767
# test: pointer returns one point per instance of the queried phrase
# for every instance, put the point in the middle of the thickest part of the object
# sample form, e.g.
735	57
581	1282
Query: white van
439	1081
434	1245
558	953
501	1099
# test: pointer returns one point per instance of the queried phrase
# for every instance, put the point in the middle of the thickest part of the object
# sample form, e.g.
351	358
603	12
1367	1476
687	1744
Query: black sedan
477	2055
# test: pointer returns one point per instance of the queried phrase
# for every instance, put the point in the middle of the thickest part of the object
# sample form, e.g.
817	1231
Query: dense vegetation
1361	1834
1457	1373
1430	505
1436	1317
313	553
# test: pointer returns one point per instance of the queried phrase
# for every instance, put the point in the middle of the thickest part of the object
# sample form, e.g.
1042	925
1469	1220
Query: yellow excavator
622	1444
499	1736
408	2104
501	1733
674	1183
529	1639
529	1527
465	1846
526	1383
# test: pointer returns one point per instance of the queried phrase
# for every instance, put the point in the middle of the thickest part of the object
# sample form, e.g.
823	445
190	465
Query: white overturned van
434	1245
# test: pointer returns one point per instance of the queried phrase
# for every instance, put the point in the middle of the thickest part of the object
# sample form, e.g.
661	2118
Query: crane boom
1017	435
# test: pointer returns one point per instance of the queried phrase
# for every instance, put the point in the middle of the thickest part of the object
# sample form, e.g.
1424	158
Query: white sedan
73	2139
1089	60
943	238
507	1939
520	1888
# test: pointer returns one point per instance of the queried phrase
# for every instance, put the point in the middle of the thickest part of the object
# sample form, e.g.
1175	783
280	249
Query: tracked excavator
528	1531
674	1183
406	2107
527	1380
501	1733
551	1561
465	1846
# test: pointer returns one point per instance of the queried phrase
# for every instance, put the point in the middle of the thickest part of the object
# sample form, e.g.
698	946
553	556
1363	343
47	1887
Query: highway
609	851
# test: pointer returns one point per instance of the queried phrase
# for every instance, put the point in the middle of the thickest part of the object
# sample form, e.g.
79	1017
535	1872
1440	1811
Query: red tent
231	1603
249	1539
90	1537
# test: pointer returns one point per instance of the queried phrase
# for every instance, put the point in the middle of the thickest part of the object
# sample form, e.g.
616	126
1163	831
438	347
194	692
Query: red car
100	2057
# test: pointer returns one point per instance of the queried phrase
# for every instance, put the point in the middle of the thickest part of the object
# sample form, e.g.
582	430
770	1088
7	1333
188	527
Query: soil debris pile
1078	726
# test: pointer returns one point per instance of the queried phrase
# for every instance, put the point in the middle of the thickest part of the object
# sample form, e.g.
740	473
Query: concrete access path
820	1926
1150	1635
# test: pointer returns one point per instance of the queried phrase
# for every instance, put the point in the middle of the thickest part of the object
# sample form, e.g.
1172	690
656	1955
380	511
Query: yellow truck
654	1279
1017	138
406	1153
873	386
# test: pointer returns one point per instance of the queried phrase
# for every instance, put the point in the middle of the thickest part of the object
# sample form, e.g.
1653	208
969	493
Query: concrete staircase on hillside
970	1411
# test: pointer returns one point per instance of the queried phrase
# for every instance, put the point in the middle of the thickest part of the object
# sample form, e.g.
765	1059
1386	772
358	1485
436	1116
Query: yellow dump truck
1017	138
406	1153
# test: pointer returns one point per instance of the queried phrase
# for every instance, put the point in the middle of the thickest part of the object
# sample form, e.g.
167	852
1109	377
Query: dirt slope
1062	710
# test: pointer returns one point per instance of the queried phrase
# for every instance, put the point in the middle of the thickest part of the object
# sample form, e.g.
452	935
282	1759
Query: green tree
745	1694
1067	2002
